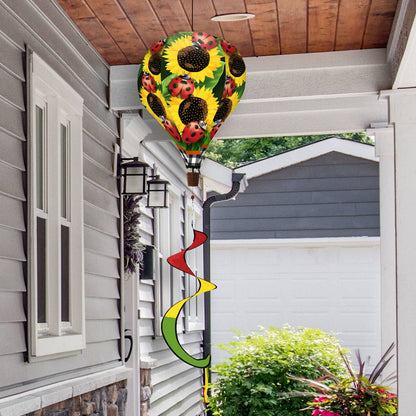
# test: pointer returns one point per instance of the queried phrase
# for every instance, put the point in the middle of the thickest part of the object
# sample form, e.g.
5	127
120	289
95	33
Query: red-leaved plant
357	395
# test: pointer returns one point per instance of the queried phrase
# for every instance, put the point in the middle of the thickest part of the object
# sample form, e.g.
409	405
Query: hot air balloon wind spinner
191	82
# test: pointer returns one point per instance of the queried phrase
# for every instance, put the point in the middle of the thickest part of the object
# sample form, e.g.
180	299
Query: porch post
132	132
384	138
402	104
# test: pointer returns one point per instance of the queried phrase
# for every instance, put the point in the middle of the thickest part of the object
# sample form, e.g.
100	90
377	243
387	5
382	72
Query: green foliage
254	380
233	152
356	395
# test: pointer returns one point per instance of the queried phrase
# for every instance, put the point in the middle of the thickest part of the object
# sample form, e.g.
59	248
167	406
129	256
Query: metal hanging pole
192	16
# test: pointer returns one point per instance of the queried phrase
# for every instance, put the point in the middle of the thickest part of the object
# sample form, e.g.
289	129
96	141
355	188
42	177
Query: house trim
401	48
132	130
301	154
88	45
56	56
297	242
319	93
384	137
217	177
34	400
62	106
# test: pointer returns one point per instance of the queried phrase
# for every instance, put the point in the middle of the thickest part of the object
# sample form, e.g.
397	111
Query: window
168	242
194	307
164	251
56	266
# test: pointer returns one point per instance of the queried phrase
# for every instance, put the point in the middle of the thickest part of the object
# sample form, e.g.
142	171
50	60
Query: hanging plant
133	248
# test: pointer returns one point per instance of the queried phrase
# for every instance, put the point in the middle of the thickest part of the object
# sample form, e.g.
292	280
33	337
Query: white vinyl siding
327	283
56	214
194	318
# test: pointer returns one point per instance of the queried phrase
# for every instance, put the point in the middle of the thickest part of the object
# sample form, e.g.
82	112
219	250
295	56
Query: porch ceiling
123	30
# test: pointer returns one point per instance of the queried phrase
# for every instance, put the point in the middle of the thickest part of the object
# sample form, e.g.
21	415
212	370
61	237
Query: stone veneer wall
106	401
146	390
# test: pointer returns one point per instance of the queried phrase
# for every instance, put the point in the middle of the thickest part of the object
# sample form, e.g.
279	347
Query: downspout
235	188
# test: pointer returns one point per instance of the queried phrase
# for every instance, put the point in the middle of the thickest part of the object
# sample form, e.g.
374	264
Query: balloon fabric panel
191	82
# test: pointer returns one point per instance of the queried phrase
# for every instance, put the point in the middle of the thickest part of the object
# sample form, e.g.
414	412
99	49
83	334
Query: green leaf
165	86
240	90
218	89
210	83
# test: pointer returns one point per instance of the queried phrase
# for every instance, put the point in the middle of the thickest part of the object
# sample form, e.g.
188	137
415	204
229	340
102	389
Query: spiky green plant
357	395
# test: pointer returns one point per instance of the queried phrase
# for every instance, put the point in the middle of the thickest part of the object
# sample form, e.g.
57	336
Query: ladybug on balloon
170	128
194	131
182	86
204	40
157	46
148	82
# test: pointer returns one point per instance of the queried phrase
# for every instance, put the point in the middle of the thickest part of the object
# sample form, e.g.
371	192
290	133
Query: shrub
254	381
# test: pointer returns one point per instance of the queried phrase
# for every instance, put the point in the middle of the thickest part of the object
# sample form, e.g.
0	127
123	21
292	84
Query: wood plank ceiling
123	30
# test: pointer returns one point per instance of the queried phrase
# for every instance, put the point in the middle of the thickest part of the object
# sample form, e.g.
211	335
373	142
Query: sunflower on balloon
191	82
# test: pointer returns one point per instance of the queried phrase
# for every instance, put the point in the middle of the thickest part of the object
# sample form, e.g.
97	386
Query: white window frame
62	105
162	275
171	285
168	241
194	309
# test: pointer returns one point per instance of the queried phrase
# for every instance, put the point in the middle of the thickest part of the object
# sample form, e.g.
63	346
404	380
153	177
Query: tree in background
234	152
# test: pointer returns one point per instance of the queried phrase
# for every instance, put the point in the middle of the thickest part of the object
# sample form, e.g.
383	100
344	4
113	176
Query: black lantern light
157	193
133	174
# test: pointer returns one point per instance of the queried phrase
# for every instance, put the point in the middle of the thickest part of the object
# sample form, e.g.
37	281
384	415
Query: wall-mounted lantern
157	193
134	176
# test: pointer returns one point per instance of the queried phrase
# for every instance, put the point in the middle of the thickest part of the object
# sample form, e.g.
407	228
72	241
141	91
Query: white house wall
331	284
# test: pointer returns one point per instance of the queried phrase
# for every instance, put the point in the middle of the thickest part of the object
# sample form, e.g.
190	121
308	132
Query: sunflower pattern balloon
191	82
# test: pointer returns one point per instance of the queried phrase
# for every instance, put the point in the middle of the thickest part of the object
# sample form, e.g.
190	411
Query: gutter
239	181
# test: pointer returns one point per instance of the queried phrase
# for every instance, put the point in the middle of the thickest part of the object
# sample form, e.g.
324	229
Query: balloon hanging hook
192	15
